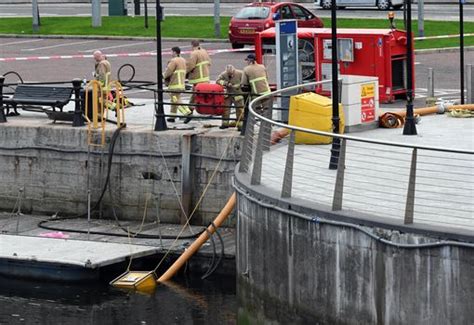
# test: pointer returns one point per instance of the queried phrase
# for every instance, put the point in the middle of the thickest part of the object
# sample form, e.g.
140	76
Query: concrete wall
292	270
51	164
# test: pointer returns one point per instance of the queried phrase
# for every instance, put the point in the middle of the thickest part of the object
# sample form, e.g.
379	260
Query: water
188	300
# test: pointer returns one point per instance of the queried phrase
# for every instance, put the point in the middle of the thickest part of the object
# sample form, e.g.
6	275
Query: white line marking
21	42
114	47
57	45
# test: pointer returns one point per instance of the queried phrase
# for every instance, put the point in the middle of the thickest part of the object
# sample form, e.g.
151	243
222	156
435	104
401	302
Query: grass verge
203	27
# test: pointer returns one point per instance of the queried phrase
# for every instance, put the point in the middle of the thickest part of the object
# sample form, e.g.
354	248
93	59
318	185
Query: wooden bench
32	96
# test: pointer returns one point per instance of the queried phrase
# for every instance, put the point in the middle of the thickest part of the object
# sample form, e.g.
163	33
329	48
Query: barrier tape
116	55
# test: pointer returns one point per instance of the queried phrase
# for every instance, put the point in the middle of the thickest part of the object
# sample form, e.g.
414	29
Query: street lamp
336	142
160	124
410	126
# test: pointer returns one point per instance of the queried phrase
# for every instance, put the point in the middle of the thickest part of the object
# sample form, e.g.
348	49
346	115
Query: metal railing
396	181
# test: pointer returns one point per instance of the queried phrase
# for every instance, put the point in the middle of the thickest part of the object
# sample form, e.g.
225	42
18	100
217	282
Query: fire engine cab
377	53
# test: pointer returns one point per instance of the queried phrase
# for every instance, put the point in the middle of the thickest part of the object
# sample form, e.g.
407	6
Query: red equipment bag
210	98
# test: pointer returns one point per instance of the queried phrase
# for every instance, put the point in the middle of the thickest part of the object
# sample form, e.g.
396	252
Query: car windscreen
253	13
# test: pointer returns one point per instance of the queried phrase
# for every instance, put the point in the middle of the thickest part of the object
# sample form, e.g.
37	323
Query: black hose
42	224
221	256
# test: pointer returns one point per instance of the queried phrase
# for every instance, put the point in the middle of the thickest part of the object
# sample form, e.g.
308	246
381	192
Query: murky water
189	300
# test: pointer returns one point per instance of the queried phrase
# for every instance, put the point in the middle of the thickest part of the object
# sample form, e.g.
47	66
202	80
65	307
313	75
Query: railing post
288	176
257	163
267	127
78	119
3	118
339	186
410	203
246	155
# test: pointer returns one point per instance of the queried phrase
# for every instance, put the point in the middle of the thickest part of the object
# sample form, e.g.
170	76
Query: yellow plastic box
312	111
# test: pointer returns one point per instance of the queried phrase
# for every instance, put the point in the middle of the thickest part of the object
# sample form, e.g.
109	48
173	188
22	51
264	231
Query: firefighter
230	79
174	76
102	68
255	79
197	68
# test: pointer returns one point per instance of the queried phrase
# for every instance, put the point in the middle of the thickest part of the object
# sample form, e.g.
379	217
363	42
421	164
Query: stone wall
52	167
299	271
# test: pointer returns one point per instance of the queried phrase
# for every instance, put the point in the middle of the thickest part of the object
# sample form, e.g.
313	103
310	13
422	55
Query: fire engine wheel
306	55
383	4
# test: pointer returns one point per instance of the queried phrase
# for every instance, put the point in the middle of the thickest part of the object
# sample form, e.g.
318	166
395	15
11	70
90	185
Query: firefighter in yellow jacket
102	68
230	79
174	76
197	68
255	80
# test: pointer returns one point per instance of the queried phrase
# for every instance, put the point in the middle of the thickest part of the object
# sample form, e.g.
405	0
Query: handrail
341	136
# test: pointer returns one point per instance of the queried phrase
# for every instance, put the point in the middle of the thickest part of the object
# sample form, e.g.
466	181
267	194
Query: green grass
203	27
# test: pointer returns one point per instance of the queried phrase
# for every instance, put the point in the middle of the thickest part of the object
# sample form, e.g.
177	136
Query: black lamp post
336	142
160	124
410	126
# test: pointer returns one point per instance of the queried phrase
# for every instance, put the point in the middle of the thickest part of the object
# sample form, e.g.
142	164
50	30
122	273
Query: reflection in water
187	301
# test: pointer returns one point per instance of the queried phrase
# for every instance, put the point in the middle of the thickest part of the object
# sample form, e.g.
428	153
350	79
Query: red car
259	16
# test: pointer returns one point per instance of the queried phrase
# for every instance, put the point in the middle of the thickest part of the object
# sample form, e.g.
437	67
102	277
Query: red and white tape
116	55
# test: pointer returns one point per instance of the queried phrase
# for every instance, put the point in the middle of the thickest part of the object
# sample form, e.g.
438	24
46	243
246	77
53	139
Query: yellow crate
312	111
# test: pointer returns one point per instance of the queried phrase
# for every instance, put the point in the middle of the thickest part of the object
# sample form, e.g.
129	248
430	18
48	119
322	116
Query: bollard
3	118
78	119
137	7
430	96
470	83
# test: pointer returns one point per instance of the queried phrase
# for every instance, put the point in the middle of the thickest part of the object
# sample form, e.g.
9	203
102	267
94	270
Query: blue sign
288	27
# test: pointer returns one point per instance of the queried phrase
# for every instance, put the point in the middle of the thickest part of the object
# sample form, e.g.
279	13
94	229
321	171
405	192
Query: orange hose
469	107
188	253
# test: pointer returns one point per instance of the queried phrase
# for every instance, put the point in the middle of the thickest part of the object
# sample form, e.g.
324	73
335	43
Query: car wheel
326	4
383	4
237	46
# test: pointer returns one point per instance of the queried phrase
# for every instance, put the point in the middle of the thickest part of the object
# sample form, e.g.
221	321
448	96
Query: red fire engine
367	52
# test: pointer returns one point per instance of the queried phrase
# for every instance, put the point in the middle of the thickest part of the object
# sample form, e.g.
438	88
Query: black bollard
3	118
137	7
78	119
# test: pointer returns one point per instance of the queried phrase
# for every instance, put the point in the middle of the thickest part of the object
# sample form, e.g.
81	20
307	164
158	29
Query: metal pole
461	45
410	126
96	15
35	16
3	118
217	18
430	83
160	124
421	18
470	84
335	90
146	14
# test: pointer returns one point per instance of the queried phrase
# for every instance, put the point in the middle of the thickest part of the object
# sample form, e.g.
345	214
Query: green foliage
203	27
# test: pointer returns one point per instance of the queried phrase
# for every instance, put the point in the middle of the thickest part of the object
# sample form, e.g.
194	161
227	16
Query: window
301	13
253	13
285	13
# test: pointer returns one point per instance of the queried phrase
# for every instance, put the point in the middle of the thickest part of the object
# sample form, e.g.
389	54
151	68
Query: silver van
381	4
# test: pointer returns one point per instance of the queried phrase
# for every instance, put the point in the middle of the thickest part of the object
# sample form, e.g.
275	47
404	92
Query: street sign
287	58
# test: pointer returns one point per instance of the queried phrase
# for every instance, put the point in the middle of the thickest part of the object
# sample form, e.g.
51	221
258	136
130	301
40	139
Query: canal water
188	300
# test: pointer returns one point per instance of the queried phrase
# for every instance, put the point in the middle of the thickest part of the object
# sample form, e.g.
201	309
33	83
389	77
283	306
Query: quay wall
49	168
304	271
